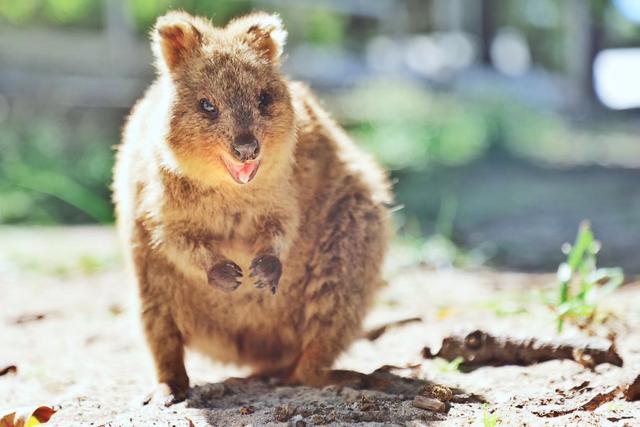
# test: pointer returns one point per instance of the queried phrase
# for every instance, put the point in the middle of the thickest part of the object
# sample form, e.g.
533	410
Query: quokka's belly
248	326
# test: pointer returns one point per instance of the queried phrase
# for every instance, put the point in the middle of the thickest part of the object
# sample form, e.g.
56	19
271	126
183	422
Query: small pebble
429	404
367	403
350	394
212	391
247	410
318	419
284	412
297	421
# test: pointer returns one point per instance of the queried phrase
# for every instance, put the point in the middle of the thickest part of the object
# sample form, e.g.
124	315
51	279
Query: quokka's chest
204	221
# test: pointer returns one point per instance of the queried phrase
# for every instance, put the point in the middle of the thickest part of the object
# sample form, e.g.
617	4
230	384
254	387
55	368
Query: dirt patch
81	350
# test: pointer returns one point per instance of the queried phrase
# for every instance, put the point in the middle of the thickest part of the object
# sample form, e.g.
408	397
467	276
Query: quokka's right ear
175	38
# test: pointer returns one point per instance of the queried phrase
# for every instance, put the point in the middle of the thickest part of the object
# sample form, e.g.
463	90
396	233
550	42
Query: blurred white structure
510	52
615	74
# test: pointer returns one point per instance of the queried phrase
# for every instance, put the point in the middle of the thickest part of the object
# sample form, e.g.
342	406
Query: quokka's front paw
225	275
266	269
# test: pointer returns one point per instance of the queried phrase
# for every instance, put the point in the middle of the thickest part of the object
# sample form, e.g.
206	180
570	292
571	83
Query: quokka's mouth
243	172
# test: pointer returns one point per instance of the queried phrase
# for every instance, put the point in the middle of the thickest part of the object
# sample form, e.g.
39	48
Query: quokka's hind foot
165	395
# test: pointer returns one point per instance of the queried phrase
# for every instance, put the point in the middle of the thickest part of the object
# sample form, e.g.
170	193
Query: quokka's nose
245	147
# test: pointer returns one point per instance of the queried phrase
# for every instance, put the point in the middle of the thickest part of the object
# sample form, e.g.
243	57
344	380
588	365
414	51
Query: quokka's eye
264	100
208	107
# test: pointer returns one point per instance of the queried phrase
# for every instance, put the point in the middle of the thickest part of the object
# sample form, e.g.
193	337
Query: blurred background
504	122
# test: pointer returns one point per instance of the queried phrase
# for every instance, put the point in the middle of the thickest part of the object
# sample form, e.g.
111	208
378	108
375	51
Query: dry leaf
11	369
26	416
632	391
374	334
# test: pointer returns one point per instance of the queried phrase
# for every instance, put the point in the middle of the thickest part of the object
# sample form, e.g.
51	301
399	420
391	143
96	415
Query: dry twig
375	333
482	348
591	405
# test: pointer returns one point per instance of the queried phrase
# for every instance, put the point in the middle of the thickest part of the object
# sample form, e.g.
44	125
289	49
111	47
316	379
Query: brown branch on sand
632	391
599	399
591	405
374	334
481	348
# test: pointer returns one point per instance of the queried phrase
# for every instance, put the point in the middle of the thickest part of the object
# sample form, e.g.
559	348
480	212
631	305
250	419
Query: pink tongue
243	174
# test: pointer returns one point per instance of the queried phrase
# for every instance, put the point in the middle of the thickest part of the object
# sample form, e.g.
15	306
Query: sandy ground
66	323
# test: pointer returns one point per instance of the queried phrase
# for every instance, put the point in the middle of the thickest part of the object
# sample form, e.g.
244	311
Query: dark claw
225	275
266	269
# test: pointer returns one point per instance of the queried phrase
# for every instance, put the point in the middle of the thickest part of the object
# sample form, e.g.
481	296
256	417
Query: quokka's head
231	117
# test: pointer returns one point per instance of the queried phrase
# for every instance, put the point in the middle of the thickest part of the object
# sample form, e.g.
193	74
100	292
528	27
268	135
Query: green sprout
581	285
450	366
489	419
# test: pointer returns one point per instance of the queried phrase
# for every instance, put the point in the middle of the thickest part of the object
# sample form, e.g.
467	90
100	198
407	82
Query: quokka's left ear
262	31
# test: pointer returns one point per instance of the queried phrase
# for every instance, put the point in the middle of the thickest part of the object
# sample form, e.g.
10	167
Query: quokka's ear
176	38
263	32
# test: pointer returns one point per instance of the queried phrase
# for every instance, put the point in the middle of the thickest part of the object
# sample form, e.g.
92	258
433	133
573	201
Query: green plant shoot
581	284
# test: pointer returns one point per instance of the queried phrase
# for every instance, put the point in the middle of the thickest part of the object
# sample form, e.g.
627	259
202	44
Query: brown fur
316	204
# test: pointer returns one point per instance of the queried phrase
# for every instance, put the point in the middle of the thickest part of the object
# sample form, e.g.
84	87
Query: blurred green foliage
407	126
54	170
414	127
323	27
314	25
146	11
57	168
85	13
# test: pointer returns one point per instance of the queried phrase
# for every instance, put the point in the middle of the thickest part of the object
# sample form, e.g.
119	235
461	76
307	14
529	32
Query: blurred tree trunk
584	37
487	29
448	15
118	23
